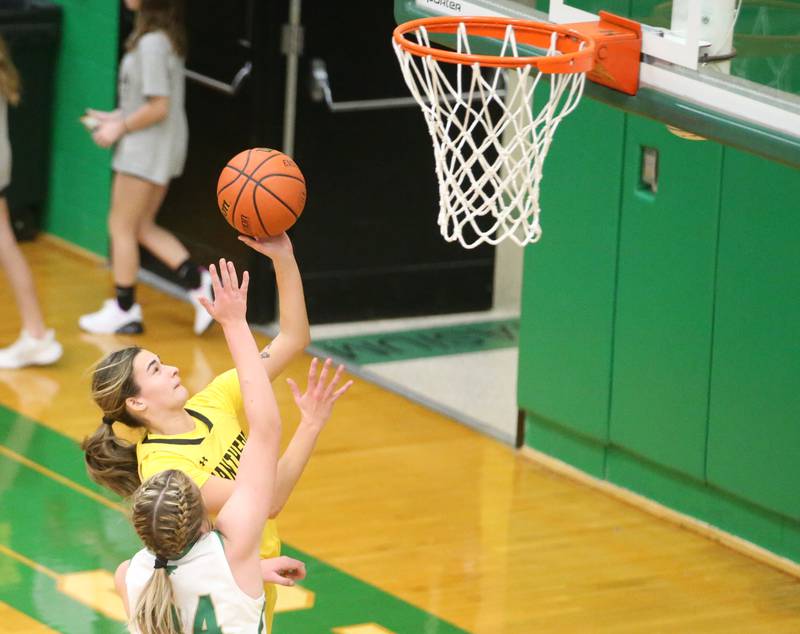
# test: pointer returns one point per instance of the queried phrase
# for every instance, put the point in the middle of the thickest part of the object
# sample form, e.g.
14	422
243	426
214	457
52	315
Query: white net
489	142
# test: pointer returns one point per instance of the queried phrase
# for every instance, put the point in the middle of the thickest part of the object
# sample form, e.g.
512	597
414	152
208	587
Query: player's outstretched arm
314	413
241	519
313	418
294	333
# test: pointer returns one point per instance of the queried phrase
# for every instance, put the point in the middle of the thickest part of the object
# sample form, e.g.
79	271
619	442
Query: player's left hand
316	403
282	571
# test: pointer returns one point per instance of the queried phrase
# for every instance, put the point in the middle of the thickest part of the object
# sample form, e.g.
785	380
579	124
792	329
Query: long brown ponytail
111	460
168	515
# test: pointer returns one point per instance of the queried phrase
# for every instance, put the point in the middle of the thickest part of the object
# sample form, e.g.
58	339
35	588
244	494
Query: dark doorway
367	242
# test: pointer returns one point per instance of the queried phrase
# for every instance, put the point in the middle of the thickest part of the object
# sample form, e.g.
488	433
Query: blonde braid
154	515
168	515
186	525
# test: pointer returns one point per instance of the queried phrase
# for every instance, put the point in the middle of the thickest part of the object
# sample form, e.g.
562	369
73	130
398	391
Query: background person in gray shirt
151	135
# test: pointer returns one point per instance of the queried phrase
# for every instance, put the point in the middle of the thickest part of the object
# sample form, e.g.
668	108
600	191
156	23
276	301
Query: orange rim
573	59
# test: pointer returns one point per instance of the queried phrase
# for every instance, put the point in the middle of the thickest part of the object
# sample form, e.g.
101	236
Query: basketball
261	192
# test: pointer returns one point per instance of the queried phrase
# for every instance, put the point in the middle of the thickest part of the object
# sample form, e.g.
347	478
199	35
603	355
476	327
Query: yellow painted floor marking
28	562
15	622
291	598
94	588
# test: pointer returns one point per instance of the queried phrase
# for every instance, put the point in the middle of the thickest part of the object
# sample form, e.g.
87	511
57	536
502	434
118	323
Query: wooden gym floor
410	522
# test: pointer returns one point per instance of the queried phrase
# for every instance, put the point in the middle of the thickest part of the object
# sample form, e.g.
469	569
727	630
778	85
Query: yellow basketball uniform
214	447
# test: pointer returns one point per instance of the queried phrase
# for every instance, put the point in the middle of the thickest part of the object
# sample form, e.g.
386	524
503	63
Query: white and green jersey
209	600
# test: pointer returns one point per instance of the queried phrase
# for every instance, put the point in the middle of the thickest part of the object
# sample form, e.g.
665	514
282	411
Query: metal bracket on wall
231	89
649	167
321	91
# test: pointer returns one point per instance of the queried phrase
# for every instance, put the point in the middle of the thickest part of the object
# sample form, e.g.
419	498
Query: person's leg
167	248
160	242
36	345
19	276
130	198
130	201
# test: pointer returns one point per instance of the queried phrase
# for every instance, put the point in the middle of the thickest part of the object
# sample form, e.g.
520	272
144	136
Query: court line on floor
13	455
29	562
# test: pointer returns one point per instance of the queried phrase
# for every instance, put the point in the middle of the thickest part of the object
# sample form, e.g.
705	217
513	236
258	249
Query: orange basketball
261	192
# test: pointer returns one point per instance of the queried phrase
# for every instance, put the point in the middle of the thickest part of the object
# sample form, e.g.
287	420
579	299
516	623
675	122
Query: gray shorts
156	154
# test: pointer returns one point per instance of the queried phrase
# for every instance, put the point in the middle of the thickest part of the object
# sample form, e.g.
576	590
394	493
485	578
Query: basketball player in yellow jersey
202	435
187	580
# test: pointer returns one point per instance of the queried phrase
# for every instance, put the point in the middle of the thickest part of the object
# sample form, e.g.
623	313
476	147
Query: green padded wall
659	348
754	426
568	289
80	172
721	449
664	303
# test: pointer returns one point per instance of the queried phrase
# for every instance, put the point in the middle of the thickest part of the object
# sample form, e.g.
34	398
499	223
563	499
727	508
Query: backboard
726	70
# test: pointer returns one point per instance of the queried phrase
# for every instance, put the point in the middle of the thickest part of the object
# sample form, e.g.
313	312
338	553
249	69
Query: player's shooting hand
274	247
230	298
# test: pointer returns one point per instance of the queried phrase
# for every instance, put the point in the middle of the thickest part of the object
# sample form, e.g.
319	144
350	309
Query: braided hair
168	515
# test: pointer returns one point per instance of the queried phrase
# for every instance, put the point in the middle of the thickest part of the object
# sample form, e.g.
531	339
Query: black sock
126	296
188	275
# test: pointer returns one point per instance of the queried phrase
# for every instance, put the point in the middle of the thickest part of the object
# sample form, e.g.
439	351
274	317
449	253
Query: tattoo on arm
265	353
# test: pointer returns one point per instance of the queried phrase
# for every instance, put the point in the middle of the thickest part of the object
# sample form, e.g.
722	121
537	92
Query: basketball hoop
490	144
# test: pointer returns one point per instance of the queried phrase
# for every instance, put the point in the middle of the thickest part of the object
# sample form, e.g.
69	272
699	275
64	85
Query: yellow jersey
213	447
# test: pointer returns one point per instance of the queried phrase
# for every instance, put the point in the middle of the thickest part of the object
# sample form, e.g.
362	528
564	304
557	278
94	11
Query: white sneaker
202	320
111	319
27	350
